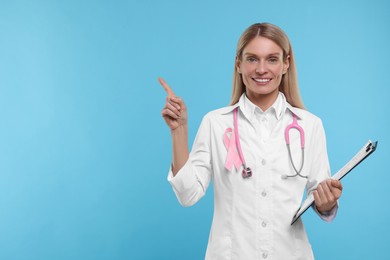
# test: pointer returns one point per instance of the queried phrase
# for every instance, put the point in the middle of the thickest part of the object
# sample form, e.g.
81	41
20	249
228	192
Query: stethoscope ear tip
284	176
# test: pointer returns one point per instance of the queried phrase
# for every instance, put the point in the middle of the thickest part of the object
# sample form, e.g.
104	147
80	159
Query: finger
336	188
179	101
337	184
317	199
174	102
166	112
321	193
324	193
327	191
166	87
173	108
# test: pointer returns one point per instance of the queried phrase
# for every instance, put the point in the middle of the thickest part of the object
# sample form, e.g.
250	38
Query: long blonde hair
289	84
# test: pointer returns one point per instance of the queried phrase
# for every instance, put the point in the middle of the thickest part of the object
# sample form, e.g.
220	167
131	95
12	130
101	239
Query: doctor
253	208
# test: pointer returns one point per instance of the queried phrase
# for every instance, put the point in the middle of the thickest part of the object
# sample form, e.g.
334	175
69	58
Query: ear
286	64
238	65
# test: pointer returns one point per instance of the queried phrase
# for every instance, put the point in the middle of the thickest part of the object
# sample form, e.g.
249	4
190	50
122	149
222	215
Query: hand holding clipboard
367	149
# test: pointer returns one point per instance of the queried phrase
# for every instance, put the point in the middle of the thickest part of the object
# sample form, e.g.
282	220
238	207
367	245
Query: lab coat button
264	194
263	162
263	224
265	255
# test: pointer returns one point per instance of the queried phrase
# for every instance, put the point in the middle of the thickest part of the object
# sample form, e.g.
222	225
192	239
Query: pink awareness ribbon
232	155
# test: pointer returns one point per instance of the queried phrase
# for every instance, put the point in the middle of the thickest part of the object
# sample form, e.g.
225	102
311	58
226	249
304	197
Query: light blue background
84	152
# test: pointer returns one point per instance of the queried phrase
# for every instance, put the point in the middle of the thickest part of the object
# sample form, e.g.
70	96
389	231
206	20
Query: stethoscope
247	171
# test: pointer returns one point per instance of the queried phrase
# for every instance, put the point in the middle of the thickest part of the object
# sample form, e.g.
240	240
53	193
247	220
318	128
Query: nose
261	67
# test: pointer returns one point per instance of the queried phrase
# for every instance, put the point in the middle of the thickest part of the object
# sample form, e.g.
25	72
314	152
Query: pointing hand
174	111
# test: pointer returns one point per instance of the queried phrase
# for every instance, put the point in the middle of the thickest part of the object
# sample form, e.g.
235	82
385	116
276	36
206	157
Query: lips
262	80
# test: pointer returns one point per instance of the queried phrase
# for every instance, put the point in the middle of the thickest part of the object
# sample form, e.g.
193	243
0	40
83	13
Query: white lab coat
252	216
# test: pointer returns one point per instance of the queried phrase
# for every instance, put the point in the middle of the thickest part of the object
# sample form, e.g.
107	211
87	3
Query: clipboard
366	150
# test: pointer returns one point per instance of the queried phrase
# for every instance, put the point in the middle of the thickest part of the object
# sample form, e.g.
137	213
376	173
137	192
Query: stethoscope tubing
297	172
247	172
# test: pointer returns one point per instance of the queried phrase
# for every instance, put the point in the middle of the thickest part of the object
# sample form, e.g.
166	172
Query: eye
251	59
273	59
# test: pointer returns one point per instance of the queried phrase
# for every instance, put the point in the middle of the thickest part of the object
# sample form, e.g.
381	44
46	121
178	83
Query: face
262	67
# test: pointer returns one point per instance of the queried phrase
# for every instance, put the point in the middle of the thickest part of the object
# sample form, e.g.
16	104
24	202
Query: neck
263	101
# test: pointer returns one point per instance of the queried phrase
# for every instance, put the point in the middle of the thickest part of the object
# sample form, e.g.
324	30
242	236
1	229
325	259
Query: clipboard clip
371	146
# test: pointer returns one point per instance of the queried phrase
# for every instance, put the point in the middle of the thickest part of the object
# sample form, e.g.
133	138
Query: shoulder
304	114
218	119
308	120
220	113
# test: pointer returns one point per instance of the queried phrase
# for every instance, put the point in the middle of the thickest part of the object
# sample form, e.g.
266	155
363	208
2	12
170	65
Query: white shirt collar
276	109
280	105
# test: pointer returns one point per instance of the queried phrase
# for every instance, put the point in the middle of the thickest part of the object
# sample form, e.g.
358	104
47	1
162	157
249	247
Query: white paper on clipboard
367	149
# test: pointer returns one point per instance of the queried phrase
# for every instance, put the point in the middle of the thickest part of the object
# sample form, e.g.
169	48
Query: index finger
166	87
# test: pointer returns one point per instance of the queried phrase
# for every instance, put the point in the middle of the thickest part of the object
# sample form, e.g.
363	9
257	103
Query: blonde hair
289	84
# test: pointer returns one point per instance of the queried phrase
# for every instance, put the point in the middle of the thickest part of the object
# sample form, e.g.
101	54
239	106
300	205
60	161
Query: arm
326	191
175	116
190	174
179	148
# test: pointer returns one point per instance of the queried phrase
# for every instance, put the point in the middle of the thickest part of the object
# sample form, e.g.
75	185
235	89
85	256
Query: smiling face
262	66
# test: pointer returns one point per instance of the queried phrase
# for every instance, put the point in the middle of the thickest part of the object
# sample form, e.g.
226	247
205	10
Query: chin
263	91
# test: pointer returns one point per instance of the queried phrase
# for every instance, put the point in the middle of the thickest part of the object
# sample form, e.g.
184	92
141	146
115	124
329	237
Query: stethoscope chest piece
246	172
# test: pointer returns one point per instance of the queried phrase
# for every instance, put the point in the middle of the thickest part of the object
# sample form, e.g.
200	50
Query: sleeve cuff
184	179
327	216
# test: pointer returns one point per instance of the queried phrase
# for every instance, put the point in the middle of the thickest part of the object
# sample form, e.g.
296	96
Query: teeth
262	80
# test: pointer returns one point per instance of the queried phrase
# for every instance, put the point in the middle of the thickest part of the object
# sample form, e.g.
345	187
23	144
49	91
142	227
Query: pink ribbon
232	156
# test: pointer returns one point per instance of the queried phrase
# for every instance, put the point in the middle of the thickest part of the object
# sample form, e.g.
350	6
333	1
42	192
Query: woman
258	180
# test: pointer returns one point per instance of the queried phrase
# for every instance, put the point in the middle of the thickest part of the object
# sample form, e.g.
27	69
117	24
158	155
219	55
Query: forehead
262	46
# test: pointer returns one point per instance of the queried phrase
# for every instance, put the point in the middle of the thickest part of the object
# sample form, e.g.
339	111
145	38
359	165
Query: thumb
337	184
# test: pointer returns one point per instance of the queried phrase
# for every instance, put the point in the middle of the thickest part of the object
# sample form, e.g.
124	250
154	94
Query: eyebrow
271	54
